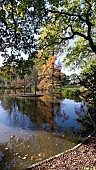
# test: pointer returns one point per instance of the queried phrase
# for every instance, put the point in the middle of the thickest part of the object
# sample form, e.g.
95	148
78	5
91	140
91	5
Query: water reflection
45	113
86	121
29	128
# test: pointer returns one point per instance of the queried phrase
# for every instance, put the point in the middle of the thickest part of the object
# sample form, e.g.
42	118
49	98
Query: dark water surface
31	128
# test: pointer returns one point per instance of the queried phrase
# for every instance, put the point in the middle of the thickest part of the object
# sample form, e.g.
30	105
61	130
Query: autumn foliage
51	76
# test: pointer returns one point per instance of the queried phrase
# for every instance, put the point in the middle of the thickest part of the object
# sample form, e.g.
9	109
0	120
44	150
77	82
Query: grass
71	86
71	90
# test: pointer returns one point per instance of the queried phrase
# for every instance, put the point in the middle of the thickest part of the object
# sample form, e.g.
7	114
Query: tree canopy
59	20
71	20
50	75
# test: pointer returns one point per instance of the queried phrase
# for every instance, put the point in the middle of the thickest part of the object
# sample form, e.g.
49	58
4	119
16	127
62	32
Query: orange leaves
51	76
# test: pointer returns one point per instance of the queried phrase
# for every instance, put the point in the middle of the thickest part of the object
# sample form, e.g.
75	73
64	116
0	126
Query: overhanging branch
68	14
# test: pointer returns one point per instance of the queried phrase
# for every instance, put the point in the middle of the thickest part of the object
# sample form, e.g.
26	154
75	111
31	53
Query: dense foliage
58	21
48	25
88	80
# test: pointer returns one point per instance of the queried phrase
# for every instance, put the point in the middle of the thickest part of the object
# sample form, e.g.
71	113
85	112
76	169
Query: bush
70	92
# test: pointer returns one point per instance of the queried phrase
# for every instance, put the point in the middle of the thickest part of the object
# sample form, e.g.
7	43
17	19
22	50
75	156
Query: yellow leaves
44	34
40	53
50	31
20	157
39	157
19	12
6	8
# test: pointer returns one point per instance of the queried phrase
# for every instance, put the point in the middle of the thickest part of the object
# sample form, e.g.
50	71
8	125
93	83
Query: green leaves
88	80
49	25
78	54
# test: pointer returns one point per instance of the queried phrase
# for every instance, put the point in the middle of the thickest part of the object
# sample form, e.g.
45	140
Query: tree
57	22
16	28
51	76
15	71
88	80
2	81
71	20
34	77
23	69
5	72
74	78
60	21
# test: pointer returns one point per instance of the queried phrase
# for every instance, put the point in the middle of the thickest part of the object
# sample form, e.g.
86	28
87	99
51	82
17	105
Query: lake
33	129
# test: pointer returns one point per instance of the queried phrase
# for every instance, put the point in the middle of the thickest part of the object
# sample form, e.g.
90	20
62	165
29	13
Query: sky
22	55
1	60
66	70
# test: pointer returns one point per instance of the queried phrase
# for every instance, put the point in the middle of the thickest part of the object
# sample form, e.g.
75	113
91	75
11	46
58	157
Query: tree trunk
93	47
24	85
35	88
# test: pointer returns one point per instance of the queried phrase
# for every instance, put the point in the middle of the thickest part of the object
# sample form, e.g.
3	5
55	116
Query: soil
82	157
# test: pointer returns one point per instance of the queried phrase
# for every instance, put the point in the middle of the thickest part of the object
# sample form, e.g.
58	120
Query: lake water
33	129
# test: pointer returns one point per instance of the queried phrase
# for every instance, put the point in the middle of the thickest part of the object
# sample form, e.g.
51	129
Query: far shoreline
26	95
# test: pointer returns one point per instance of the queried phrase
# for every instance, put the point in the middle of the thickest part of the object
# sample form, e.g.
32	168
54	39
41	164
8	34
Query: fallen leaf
6	148
24	157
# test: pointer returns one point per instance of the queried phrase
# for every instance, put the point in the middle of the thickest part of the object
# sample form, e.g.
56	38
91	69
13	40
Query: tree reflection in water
87	121
34	113
30	127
